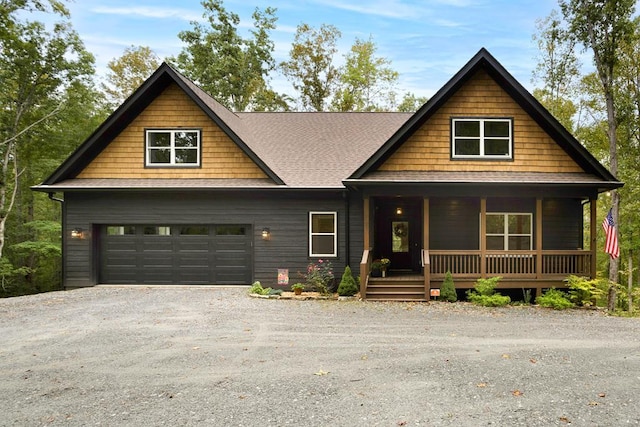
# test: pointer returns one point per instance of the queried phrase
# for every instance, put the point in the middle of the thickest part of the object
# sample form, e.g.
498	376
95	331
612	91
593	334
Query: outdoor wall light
266	233
398	210
76	233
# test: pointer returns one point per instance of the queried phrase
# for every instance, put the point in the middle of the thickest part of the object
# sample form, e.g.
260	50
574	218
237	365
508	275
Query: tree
35	68
47	98
411	103
127	73
310	67
557	69
233	69
603	26
366	81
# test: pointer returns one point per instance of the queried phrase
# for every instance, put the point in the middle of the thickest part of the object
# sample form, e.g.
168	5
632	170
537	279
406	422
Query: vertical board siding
429	148
124	157
286	216
454	224
562	224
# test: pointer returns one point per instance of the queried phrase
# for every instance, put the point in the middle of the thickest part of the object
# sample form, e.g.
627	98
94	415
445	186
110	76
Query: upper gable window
169	147
473	138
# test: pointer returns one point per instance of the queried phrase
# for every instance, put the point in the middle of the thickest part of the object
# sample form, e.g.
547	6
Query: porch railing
521	264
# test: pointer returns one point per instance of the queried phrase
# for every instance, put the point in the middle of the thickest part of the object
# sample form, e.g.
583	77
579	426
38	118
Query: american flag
611	243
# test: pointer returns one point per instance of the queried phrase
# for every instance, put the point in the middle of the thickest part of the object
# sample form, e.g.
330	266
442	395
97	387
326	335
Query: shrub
555	299
483	293
347	286
448	289
320	276
585	292
257	288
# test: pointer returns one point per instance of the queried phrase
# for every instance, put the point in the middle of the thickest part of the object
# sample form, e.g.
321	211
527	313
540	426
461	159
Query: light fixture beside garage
77	233
266	233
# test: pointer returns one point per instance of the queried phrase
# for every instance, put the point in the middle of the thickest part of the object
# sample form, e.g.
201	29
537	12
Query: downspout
61	201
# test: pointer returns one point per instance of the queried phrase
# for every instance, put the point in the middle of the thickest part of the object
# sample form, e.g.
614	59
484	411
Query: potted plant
297	288
384	265
376	268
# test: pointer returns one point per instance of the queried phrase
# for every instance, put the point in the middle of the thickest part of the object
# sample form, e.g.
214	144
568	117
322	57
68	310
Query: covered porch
542	242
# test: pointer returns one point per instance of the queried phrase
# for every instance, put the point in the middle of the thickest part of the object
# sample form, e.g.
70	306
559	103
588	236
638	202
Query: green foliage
319	276
128	72
555	299
297	286
257	288
310	67
348	286
411	103
483	293
585	292
8	275
366	81
448	289
231	68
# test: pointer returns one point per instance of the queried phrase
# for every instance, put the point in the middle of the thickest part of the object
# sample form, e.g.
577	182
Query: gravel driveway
214	356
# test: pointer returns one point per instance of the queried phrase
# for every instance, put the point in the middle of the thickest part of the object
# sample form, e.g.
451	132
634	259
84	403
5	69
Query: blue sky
427	41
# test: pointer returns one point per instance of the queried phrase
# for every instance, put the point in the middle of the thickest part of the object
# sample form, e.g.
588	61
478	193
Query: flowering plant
385	262
319	276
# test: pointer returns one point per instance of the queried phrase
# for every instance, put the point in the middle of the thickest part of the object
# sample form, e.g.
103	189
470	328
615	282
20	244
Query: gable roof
485	61
320	149
136	103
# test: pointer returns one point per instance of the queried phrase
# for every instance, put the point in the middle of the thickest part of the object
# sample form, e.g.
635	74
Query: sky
427	41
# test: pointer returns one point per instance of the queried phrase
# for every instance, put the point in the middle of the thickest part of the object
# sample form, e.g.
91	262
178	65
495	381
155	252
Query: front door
398	232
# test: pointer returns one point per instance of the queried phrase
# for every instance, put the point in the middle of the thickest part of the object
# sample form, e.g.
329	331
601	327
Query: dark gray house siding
286	214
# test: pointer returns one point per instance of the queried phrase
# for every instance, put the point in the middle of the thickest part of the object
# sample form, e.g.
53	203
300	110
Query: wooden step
395	290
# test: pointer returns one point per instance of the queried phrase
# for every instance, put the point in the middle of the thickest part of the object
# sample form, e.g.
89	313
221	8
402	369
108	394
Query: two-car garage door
175	254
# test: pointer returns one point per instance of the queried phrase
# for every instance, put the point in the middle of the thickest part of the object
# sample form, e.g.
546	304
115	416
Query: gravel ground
214	356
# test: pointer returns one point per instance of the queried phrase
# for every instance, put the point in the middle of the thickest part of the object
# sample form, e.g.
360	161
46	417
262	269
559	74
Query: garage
175	254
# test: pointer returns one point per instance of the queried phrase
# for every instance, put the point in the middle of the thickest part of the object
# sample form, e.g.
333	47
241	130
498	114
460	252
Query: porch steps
390	289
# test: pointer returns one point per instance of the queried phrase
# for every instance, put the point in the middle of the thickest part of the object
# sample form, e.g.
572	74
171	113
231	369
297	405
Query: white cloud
149	12
384	8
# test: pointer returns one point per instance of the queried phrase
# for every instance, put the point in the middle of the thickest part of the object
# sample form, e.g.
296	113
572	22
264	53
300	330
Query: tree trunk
614	263
630	281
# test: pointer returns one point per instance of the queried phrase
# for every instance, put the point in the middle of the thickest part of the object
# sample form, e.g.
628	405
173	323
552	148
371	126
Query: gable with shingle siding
124	156
429	148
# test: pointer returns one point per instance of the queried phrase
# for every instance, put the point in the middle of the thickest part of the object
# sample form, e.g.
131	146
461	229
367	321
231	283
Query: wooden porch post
364	263
367	222
483	237
538	238
593	204
425	246
538	289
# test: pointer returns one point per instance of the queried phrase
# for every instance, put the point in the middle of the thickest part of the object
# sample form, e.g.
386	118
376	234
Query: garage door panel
186	254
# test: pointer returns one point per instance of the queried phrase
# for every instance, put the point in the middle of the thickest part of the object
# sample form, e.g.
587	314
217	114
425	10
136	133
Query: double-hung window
482	138
509	231
172	147
323	234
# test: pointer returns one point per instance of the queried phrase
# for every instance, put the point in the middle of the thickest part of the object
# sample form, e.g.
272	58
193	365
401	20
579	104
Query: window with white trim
323	234
473	138
509	231
172	147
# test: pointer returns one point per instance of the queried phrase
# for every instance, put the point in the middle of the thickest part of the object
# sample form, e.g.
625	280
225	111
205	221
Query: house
481	181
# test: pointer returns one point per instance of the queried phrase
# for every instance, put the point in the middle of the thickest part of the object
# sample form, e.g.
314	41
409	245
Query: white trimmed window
323	234
172	147
509	231
473	138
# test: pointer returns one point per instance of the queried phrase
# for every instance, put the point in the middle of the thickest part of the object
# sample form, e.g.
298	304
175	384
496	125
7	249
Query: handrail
426	269
365	268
